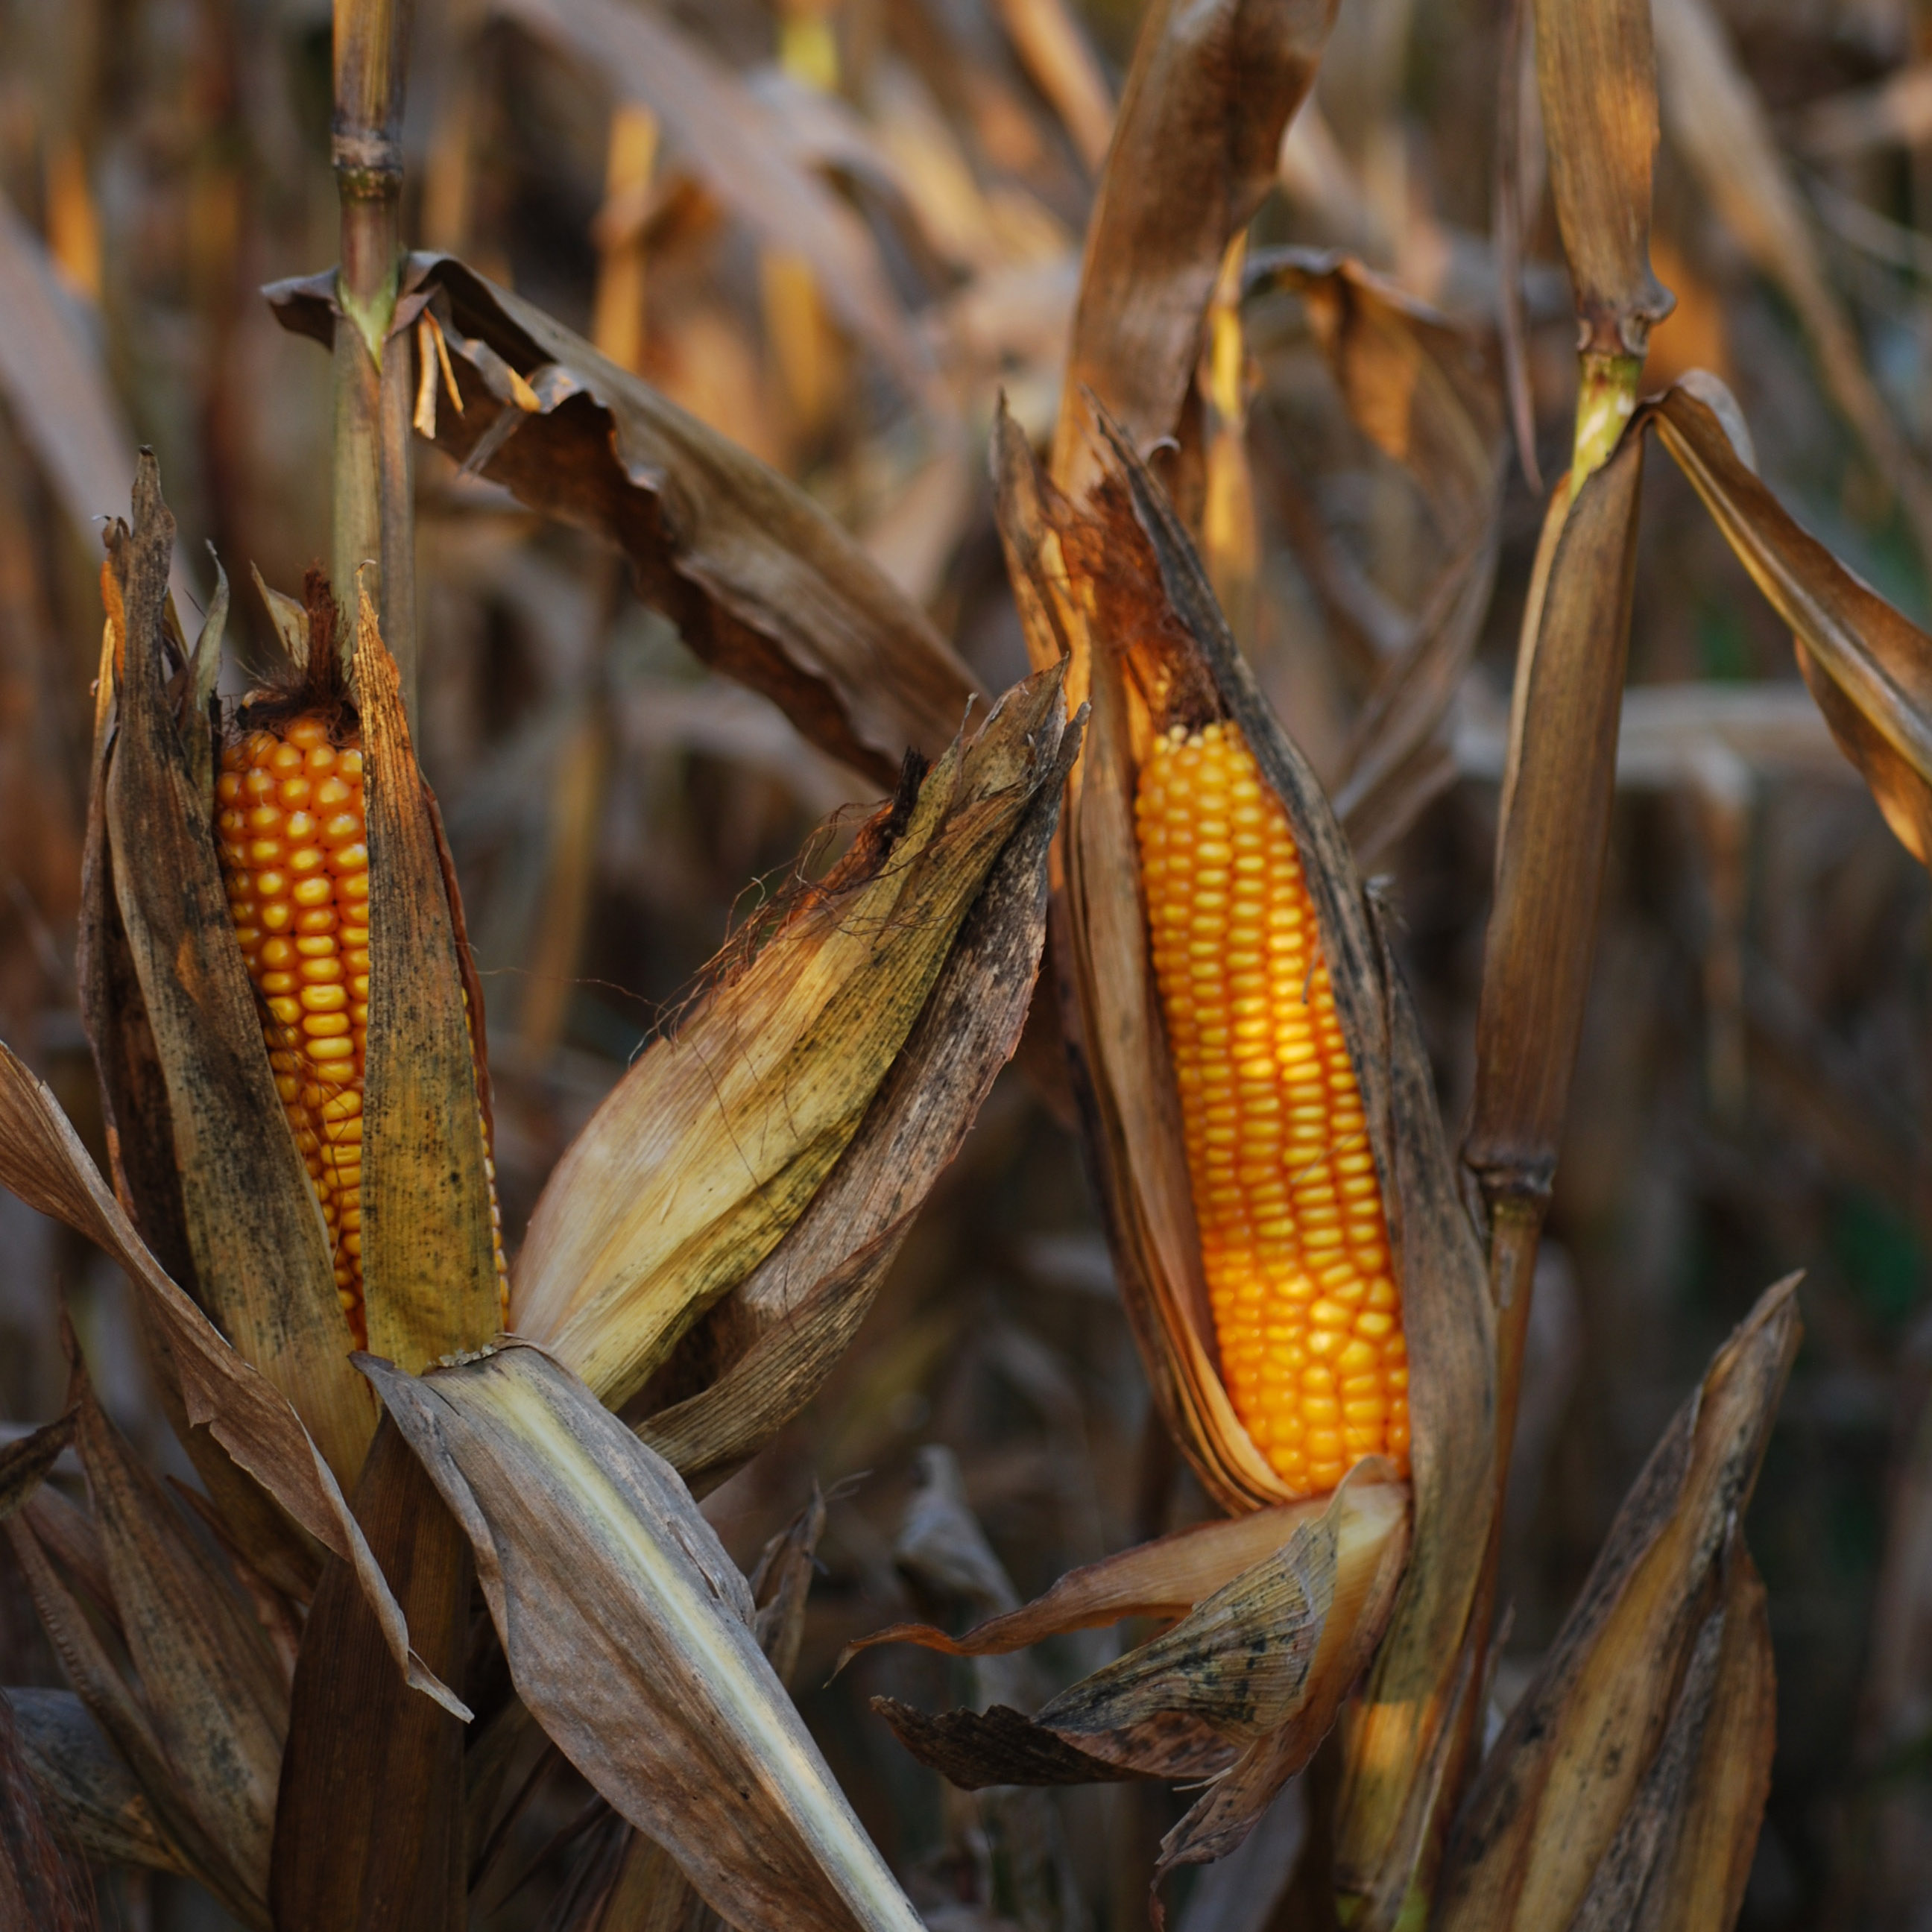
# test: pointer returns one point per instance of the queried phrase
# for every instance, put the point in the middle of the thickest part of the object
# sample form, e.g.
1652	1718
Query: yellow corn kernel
292	838
1294	1240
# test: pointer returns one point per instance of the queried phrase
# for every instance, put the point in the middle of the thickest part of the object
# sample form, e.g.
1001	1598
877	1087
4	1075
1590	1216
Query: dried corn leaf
627	1634
732	141
1869	667
24	1465
262	1262
780	1331
760	582
1597	70
1195	144
90	1798
1241	1689
1165	1579
219	1706
429	1266
41	1885
1571	1810
714	1143
42	1160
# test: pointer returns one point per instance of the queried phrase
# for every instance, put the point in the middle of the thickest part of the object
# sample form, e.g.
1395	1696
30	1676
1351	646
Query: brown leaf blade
40	1886
1195	140
92	1800
1560	1812
1869	667
760	582
627	1631
429	1264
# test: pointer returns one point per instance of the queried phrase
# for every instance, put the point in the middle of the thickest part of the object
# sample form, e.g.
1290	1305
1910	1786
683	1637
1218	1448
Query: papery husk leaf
1596	71
369	1816
261	1260
760	581
219	1708
1420	388
714	1143
41	1886
1868	666
1558	1788
92	1801
42	1160
627	1631
1248	1680
787	1323
429	1267
1196	139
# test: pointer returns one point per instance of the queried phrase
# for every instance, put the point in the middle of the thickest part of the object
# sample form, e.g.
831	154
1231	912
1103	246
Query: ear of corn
1293	1241
294	850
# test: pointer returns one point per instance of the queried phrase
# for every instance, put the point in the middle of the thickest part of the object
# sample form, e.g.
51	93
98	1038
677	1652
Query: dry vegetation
1463	405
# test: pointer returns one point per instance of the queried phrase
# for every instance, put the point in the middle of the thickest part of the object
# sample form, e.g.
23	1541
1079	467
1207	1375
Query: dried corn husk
715	1144
1626	1787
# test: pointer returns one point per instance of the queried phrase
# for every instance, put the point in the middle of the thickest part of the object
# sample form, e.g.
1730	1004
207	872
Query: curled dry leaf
714	1145
1196	141
1629	1780
628	1634
1240	1690
92	1801
1869	667
760	582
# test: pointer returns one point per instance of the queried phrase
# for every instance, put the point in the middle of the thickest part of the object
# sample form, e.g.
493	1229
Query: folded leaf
41	1885
714	1142
627	1634
760	582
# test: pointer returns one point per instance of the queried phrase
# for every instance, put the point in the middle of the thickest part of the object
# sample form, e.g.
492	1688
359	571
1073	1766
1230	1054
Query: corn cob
292	835
1295	1243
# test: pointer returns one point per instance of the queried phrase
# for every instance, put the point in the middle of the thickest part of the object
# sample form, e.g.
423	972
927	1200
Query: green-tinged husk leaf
716	1141
429	1268
262	1262
628	1632
785	1325
1610	1754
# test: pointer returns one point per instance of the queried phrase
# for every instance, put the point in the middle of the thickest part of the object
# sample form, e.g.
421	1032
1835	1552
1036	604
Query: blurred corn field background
836	231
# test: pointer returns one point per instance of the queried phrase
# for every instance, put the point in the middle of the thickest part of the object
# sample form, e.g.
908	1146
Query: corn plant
448	1519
